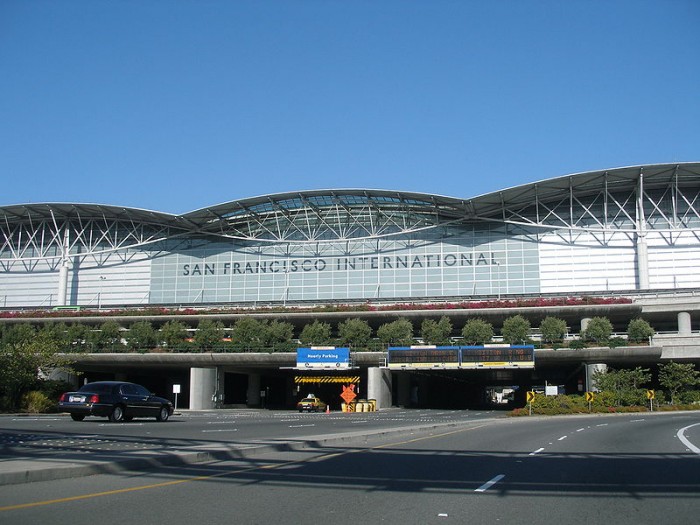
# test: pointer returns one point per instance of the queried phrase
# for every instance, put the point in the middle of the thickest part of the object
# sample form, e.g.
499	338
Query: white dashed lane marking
490	483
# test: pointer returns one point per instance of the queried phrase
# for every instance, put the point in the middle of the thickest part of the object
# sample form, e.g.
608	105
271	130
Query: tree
355	333
599	330
20	365
678	376
399	332
107	336
209	335
316	333
173	334
477	332
279	335
552	329
57	332
436	333
78	337
516	330
141	336
639	330
19	333
248	333
624	384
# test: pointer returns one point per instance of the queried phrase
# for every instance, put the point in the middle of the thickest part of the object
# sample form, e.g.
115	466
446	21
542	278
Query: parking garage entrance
458	377
327	387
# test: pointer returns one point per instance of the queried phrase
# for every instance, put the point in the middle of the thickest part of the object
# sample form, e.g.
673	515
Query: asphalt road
642	468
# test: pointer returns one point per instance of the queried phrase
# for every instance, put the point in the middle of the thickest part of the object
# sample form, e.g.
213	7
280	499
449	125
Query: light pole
99	294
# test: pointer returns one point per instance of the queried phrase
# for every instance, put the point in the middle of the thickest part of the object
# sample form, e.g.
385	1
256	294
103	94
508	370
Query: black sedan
117	400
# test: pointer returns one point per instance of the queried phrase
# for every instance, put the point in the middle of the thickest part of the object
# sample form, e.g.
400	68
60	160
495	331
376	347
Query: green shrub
615	342
36	402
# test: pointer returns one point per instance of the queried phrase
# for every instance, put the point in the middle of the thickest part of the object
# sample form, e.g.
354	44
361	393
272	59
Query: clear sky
175	105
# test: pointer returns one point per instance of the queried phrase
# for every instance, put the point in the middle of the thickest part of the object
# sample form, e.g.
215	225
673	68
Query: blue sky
174	105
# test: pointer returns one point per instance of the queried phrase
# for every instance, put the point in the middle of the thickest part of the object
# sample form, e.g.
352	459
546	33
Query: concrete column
379	386
63	271
404	393
684	327
590	370
642	249
253	393
642	263
203	387
584	323
63	284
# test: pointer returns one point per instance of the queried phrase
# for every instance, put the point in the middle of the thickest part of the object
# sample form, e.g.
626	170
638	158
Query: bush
689	397
615	342
577	344
36	402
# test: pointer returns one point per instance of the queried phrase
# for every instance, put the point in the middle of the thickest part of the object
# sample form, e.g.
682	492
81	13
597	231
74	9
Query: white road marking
220	430
38	419
299	426
685	440
580	430
636	420
602	425
536	451
490	483
562	438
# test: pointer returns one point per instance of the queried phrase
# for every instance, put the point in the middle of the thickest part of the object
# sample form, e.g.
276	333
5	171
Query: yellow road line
220	474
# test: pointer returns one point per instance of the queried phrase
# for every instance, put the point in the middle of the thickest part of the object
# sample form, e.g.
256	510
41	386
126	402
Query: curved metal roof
62	211
351	214
588	183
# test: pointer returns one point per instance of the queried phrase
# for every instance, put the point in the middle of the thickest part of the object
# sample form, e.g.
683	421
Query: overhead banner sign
449	357
323	357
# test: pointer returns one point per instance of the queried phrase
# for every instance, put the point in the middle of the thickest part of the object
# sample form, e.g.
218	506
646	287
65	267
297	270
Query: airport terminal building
623	231
618	230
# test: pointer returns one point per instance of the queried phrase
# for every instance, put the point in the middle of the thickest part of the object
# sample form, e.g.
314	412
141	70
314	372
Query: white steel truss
599	207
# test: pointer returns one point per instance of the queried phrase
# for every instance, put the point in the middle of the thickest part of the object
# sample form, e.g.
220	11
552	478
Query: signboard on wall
448	357
323	357
423	357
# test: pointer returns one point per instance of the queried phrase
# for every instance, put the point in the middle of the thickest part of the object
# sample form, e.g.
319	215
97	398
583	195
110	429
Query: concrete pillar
203	387
379	386
642	263
684	327
63	284
584	323
253	393
404	389
642	249
63	271
590	370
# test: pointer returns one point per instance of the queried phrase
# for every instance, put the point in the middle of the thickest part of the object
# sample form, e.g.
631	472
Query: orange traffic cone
328	409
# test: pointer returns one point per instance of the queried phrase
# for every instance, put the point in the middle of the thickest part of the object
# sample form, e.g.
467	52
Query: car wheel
77	417
163	415
117	414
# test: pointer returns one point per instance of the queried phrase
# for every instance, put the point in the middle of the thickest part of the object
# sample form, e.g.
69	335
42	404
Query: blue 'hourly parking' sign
323	357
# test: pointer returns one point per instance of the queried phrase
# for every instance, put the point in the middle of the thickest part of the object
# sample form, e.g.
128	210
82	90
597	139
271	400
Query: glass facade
448	262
